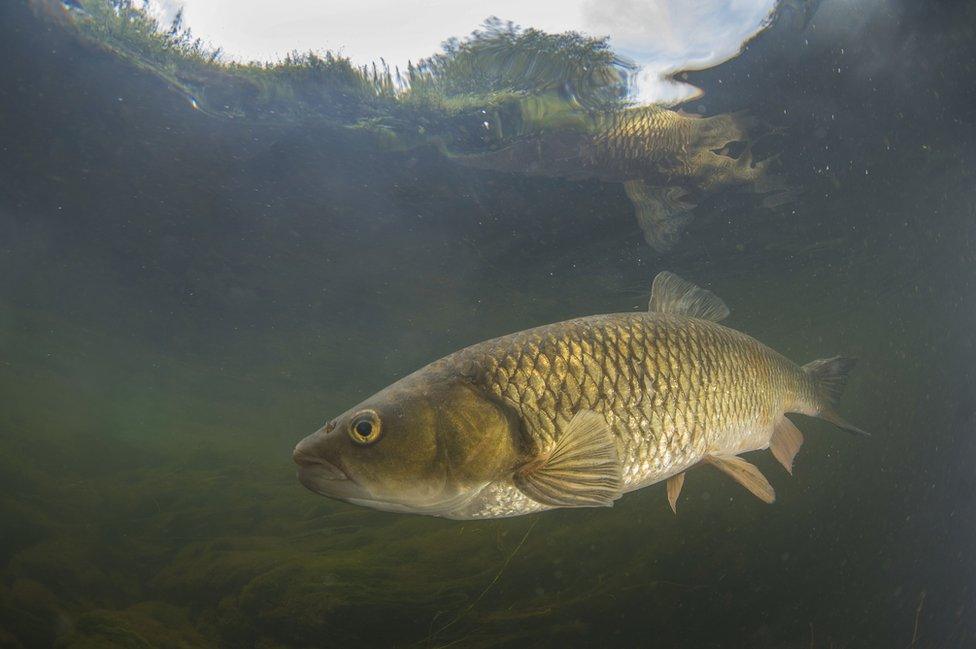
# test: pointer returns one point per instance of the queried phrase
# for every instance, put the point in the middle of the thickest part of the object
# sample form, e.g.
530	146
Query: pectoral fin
785	443
745	474
661	212
675	483
582	469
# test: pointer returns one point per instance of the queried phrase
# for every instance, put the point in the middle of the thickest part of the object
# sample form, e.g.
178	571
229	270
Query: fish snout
320	468
309	455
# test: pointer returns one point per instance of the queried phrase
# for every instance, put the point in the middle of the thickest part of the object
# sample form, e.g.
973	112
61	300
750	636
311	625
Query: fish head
424	445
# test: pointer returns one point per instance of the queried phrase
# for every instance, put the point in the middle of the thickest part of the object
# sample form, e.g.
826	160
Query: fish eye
365	427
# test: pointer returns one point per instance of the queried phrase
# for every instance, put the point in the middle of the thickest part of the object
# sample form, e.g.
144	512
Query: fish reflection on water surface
667	160
575	414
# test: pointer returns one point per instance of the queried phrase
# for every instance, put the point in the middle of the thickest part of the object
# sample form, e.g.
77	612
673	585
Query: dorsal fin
671	294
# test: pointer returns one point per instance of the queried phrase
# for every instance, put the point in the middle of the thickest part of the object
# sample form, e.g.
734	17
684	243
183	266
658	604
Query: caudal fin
829	375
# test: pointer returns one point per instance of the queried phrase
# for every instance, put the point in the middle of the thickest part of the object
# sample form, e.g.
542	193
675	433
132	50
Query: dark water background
183	298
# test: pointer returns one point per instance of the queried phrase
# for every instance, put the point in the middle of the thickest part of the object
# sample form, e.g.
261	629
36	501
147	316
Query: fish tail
829	376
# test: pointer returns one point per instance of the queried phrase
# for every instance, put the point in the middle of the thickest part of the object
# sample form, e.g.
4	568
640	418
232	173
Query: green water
184	296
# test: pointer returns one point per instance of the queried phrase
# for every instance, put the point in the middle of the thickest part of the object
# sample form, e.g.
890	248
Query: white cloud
660	35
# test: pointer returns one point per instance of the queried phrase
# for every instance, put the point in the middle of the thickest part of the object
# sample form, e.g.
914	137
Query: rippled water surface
196	272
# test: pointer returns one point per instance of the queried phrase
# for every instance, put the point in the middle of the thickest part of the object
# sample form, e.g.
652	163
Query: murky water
185	293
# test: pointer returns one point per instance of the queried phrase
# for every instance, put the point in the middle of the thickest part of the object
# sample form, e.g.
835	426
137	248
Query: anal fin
785	442
675	483
581	470
745	474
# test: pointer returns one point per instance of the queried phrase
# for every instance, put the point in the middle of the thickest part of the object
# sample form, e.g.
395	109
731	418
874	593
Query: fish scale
670	387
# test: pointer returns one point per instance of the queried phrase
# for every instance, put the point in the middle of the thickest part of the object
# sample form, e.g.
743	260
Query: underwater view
220	272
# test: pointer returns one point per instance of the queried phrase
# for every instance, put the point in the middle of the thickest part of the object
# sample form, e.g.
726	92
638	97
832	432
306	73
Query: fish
666	159
576	414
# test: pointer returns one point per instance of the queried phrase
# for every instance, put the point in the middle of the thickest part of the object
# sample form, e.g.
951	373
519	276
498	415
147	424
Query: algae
147	624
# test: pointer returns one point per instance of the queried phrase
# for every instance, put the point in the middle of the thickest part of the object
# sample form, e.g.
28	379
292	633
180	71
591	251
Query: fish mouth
325	478
318	474
308	462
